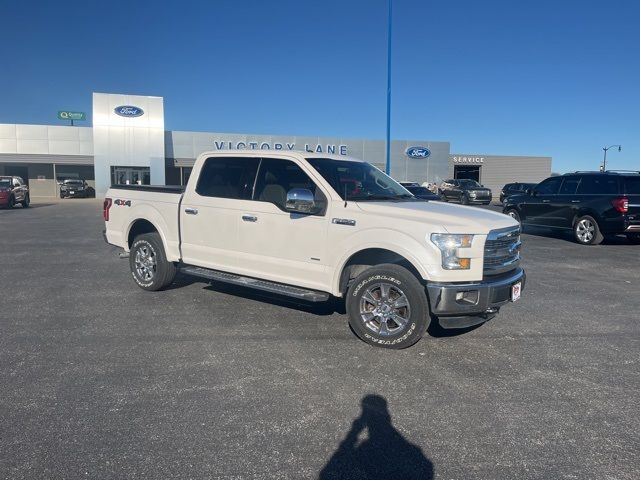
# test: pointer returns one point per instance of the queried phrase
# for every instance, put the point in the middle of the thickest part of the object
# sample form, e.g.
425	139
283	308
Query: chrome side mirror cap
300	200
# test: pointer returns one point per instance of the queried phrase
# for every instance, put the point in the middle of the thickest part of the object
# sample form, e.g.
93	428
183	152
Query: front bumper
459	305
480	200
75	194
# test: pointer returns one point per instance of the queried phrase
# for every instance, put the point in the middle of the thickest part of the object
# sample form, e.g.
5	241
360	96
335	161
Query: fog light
470	297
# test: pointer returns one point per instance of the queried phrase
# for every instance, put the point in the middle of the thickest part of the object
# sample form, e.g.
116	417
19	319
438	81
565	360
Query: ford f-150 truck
312	226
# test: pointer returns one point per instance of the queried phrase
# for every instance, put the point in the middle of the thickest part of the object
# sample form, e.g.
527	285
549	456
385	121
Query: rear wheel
149	265
387	307
587	232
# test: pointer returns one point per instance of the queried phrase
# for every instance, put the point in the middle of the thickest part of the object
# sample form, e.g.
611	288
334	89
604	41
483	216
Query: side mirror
528	191
300	200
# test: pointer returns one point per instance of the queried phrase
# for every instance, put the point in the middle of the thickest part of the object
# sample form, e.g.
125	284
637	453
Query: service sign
66	115
128	111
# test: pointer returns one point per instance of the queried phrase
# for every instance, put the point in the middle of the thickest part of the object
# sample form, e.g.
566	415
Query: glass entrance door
130	175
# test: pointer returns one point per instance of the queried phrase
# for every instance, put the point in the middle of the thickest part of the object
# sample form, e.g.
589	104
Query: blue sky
558	78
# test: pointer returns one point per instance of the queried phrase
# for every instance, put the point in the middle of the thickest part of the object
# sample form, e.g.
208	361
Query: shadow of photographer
383	454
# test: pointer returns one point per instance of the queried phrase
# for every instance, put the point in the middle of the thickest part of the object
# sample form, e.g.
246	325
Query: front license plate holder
516	290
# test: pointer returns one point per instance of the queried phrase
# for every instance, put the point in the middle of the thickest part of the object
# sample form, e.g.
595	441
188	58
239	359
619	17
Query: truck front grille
502	250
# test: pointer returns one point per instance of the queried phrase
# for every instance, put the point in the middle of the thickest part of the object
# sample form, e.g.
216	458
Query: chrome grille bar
502	250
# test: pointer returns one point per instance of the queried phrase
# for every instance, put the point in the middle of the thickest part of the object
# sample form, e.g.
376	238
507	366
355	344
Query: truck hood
450	218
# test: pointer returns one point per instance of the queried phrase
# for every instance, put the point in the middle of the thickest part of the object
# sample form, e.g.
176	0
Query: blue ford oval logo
418	152
128	111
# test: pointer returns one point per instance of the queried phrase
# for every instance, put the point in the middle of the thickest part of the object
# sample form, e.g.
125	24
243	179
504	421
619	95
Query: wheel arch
141	226
583	212
364	258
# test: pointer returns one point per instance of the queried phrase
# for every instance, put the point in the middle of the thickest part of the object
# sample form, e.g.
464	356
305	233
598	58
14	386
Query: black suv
465	191
592	204
515	189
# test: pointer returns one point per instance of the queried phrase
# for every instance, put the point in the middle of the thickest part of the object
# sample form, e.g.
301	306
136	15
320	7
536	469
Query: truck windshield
359	180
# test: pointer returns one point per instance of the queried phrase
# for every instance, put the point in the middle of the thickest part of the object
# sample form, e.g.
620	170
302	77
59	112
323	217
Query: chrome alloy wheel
384	309
585	230
145	262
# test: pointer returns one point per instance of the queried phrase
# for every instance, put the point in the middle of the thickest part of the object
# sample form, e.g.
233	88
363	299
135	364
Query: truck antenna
345	195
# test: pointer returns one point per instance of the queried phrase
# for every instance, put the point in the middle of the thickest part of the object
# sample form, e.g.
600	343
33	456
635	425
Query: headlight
449	245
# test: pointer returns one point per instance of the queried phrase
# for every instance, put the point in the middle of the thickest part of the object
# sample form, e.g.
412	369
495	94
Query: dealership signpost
387	167
66	115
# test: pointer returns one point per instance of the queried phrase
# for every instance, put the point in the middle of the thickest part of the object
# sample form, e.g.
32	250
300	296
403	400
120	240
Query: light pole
604	162
387	167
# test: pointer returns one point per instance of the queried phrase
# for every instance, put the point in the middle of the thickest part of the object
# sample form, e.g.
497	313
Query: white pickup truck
313	226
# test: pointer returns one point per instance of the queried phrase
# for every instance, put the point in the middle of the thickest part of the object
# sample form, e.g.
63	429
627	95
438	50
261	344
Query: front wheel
148	263
587	232
387	307
464	199
513	214
26	202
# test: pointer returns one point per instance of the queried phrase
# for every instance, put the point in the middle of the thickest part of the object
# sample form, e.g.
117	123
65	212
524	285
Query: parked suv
13	190
515	189
75	188
592	204
465	191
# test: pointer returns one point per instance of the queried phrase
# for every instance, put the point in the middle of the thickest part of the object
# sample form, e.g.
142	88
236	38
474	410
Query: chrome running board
264	285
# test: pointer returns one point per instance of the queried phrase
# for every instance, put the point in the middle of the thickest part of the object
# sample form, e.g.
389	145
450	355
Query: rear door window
632	185
598	185
550	186
231	177
569	185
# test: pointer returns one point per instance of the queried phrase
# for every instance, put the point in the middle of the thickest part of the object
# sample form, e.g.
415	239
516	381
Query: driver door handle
249	218
546	201
191	211
575	201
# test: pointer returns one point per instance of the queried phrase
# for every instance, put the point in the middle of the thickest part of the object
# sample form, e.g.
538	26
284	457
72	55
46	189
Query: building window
130	175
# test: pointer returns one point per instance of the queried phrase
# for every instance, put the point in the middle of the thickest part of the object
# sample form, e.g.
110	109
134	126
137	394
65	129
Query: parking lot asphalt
99	379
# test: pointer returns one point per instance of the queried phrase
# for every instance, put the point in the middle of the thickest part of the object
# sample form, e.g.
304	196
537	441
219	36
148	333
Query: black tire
634	238
12	202
586	231
401	326
26	202
464	199
148	263
513	213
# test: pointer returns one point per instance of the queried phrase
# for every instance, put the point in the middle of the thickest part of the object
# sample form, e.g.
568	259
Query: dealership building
128	144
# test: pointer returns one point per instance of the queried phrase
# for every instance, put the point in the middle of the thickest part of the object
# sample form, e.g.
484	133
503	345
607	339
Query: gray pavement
99	379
